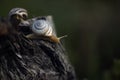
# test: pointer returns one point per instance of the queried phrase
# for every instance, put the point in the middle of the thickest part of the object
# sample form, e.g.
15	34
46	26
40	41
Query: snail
16	16
42	28
19	13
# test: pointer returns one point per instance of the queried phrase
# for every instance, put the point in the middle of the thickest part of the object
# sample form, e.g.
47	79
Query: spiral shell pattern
42	27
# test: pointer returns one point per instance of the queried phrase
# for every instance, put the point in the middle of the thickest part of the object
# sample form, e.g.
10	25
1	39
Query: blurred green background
93	29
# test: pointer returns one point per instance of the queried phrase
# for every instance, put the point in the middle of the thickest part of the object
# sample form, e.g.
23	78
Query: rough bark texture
36	59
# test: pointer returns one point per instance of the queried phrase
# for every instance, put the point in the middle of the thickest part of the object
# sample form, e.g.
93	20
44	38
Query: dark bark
36	59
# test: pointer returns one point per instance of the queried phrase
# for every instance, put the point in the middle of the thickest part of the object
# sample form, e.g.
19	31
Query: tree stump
32	59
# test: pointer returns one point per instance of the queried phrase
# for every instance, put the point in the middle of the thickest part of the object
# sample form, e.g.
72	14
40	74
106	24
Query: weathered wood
32	59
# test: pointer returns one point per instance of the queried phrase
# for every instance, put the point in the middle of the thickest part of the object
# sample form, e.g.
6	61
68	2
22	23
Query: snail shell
18	11
42	27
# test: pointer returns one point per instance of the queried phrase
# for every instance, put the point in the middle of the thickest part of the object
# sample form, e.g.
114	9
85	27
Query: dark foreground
36	59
